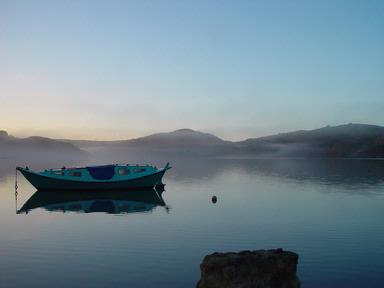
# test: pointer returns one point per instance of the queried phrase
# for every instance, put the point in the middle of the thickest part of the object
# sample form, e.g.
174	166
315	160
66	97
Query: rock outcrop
261	268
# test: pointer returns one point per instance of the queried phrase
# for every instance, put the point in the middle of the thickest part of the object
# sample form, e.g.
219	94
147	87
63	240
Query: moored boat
106	177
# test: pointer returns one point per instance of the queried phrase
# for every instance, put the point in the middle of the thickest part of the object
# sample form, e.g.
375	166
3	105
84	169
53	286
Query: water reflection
328	171
318	208
110	202
349	173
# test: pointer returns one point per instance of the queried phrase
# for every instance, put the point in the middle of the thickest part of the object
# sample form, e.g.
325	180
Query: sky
121	69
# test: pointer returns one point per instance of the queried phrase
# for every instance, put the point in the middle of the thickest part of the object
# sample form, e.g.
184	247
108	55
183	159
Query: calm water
329	212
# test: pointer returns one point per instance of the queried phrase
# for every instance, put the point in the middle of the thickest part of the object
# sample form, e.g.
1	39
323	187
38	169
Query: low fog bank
187	167
360	173
196	155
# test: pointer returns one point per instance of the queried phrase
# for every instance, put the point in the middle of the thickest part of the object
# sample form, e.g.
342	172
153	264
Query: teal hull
41	182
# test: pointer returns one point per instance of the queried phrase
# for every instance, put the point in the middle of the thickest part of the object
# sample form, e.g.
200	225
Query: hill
178	138
348	141
351	140
35	146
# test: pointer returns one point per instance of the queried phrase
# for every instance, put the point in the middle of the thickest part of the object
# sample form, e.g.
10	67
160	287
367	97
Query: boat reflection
110	202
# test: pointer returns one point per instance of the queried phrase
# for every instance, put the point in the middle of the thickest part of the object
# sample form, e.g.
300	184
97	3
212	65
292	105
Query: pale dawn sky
238	69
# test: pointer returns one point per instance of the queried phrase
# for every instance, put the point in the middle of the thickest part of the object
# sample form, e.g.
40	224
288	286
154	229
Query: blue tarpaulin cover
104	172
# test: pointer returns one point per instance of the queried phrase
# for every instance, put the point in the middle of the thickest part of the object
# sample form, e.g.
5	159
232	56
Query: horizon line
190	129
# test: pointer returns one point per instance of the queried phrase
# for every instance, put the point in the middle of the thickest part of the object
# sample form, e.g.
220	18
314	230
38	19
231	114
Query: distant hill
176	142
3	135
178	138
35	146
353	132
351	140
180	142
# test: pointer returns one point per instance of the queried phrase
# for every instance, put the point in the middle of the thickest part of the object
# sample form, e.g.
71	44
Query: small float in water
93	178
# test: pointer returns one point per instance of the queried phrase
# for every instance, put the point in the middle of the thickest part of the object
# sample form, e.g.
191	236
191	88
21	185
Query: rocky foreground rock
273	268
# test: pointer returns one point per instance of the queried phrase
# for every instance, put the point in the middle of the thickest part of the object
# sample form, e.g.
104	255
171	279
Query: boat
110	202
94	178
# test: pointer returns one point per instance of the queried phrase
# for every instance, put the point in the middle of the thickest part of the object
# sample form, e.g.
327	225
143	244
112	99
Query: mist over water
328	211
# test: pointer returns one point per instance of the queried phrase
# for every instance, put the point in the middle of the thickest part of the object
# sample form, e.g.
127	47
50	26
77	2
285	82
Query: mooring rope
16	190
16	180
